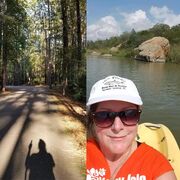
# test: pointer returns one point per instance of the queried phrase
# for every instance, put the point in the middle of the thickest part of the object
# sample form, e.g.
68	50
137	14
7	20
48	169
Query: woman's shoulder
146	161
149	150
152	157
95	160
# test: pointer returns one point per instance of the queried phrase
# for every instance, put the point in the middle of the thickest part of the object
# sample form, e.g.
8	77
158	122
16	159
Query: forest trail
32	113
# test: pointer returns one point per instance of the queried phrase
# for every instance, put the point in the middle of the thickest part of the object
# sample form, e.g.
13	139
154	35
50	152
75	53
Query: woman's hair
90	123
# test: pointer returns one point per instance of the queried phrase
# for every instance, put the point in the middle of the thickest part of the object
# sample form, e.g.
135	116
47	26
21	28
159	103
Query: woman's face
118	138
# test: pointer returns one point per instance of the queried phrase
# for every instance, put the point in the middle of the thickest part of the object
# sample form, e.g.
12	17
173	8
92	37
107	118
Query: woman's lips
117	137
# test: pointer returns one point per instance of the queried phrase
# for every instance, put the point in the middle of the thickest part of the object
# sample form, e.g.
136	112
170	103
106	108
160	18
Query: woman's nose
117	125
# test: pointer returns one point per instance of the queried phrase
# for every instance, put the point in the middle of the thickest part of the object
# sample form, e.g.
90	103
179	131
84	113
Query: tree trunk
49	47
46	57
79	38
65	45
4	62
2	80
1	44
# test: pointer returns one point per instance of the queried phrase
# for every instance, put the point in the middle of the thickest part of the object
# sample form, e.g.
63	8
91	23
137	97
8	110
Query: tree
46	43
12	41
65	45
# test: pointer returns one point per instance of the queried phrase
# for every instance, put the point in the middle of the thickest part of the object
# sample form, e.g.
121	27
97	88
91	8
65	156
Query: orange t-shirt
145	163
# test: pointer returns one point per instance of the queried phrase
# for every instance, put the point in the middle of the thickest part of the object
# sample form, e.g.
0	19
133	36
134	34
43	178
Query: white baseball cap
114	88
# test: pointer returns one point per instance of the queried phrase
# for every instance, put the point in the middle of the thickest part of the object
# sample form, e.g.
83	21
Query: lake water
158	85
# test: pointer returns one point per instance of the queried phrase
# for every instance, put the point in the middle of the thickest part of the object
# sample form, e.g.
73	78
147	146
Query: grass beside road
74	121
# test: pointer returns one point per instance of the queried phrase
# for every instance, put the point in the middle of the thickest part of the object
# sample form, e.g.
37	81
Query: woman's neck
117	160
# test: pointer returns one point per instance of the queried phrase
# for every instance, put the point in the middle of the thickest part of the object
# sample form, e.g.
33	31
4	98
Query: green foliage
31	37
174	55
125	52
13	37
78	90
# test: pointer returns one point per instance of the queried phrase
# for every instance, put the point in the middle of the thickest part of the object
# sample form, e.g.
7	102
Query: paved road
30	114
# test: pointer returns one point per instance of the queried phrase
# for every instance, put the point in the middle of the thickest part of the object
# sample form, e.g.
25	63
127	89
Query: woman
114	108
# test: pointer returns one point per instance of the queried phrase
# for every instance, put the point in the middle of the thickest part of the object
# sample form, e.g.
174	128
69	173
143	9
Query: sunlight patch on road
9	141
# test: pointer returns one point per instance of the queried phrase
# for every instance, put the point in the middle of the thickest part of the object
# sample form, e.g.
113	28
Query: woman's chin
119	148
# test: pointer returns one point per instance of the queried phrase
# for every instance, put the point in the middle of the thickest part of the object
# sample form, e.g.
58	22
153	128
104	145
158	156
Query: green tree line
43	42
131	40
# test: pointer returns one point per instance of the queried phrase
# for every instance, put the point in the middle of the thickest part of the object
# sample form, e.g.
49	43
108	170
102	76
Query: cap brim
130	99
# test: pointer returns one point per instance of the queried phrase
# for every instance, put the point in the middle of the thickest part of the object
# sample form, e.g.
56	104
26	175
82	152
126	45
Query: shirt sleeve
161	165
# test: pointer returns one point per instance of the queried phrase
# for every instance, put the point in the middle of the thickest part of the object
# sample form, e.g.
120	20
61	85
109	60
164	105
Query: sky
108	18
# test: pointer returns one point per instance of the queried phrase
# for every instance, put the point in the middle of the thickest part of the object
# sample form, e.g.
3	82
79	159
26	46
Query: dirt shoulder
74	114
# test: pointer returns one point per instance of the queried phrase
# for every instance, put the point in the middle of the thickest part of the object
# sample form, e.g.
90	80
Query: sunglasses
105	119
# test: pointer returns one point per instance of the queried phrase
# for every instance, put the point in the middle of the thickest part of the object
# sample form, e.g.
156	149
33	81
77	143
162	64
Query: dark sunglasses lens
105	119
102	119
131	117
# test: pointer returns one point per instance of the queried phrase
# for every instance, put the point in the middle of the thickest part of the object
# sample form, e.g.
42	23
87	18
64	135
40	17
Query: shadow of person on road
40	164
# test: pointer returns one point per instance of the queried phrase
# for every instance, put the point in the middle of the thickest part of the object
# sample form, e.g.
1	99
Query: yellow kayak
160	137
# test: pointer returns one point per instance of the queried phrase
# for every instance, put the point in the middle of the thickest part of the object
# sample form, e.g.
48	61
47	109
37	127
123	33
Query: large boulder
154	50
